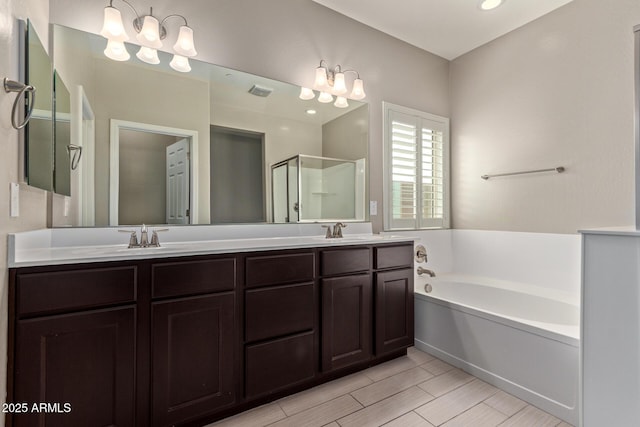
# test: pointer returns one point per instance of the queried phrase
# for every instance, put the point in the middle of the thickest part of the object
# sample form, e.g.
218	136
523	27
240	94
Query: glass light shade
180	63
149	35
357	92
306	93
339	87
148	55
341	102
184	45
325	97
117	51
321	78
112	27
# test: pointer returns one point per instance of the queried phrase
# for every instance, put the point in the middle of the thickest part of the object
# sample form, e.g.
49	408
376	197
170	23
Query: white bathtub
523	339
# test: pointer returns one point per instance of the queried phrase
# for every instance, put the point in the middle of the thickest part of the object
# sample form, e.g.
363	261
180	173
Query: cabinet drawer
279	269
277	364
74	290
276	311
340	261
192	277
393	256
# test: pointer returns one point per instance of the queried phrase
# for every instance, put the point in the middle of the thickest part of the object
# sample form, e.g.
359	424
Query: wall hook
77	155
21	88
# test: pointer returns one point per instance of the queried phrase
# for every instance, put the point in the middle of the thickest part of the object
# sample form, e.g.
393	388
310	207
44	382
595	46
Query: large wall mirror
197	147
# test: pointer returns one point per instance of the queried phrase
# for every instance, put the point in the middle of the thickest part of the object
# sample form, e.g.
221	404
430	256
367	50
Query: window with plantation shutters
416	169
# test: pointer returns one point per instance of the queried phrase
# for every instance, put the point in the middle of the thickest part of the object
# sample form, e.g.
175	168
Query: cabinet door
193	357
85	360
394	310
346	320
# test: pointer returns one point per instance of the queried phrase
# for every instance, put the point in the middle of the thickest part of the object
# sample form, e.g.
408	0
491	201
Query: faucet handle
133	239
328	235
154	237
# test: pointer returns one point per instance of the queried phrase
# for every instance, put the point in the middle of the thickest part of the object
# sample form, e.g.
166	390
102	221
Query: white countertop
68	246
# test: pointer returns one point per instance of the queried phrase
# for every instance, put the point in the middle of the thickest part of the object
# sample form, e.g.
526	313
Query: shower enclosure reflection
309	188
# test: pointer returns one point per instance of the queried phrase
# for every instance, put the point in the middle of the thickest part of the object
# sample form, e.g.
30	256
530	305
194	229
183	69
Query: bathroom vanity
175	338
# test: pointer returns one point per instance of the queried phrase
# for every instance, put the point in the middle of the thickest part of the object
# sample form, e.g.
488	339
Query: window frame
417	223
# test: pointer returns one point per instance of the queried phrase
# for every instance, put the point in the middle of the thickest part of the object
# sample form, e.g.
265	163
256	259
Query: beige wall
286	39
558	91
32	201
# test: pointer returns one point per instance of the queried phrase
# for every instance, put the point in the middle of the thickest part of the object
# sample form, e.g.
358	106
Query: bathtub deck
415	390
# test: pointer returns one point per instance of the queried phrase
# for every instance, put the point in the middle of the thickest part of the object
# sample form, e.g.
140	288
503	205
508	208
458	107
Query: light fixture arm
130	7
331	73
175	15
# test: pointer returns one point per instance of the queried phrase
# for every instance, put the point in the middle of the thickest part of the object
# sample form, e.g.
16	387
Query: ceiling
448	28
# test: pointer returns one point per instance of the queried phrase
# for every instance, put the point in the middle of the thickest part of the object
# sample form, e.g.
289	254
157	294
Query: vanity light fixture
330	82
490	4
151	32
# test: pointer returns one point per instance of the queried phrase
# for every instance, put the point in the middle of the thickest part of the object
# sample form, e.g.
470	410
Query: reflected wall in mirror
39	130
208	98
62	136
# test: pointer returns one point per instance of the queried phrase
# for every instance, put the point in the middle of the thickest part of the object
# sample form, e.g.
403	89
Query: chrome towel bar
558	169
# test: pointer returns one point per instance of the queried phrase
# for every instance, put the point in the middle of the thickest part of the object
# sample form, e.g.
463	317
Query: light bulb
149	35
184	45
180	63
325	97
112	27
339	87
321	78
341	102
117	51
357	92
148	55
306	93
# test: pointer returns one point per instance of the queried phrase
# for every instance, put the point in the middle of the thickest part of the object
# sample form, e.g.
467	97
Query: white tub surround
504	306
611	327
83	245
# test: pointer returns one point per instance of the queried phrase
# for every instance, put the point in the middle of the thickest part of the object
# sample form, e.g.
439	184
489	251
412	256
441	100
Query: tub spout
426	271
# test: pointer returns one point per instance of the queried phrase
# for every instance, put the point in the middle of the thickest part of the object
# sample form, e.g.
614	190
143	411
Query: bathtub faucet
426	271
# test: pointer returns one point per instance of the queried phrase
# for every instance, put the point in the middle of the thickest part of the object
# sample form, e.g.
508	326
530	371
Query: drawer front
193	277
278	364
74	290
393	256
277	311
279	269
341	261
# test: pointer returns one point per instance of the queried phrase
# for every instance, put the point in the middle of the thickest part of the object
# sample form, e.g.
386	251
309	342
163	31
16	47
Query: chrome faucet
144	237
422	271
337	230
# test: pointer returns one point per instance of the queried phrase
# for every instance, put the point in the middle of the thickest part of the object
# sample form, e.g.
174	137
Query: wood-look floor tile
505	403
389	386
258	417
410	419
480	415
309	398
437	386
419	356
322	414
455	402
437	367
564	424
390	368
531	417
333	424
387	409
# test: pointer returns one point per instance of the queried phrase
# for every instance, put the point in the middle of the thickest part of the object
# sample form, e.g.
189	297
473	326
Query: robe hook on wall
21	88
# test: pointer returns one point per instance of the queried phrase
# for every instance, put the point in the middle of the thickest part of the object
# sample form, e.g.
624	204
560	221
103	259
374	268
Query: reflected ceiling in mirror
208	97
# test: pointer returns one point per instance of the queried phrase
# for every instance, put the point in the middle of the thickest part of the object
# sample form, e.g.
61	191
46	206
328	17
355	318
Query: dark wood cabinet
193	357
394	310
85	360
346	320
188	340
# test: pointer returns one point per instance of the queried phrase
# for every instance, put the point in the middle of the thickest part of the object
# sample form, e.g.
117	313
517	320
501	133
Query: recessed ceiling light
490	4
311	112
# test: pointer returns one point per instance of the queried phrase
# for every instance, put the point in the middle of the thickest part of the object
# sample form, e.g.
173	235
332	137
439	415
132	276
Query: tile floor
417	390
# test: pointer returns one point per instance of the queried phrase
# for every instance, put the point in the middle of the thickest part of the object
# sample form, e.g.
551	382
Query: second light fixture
330	82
